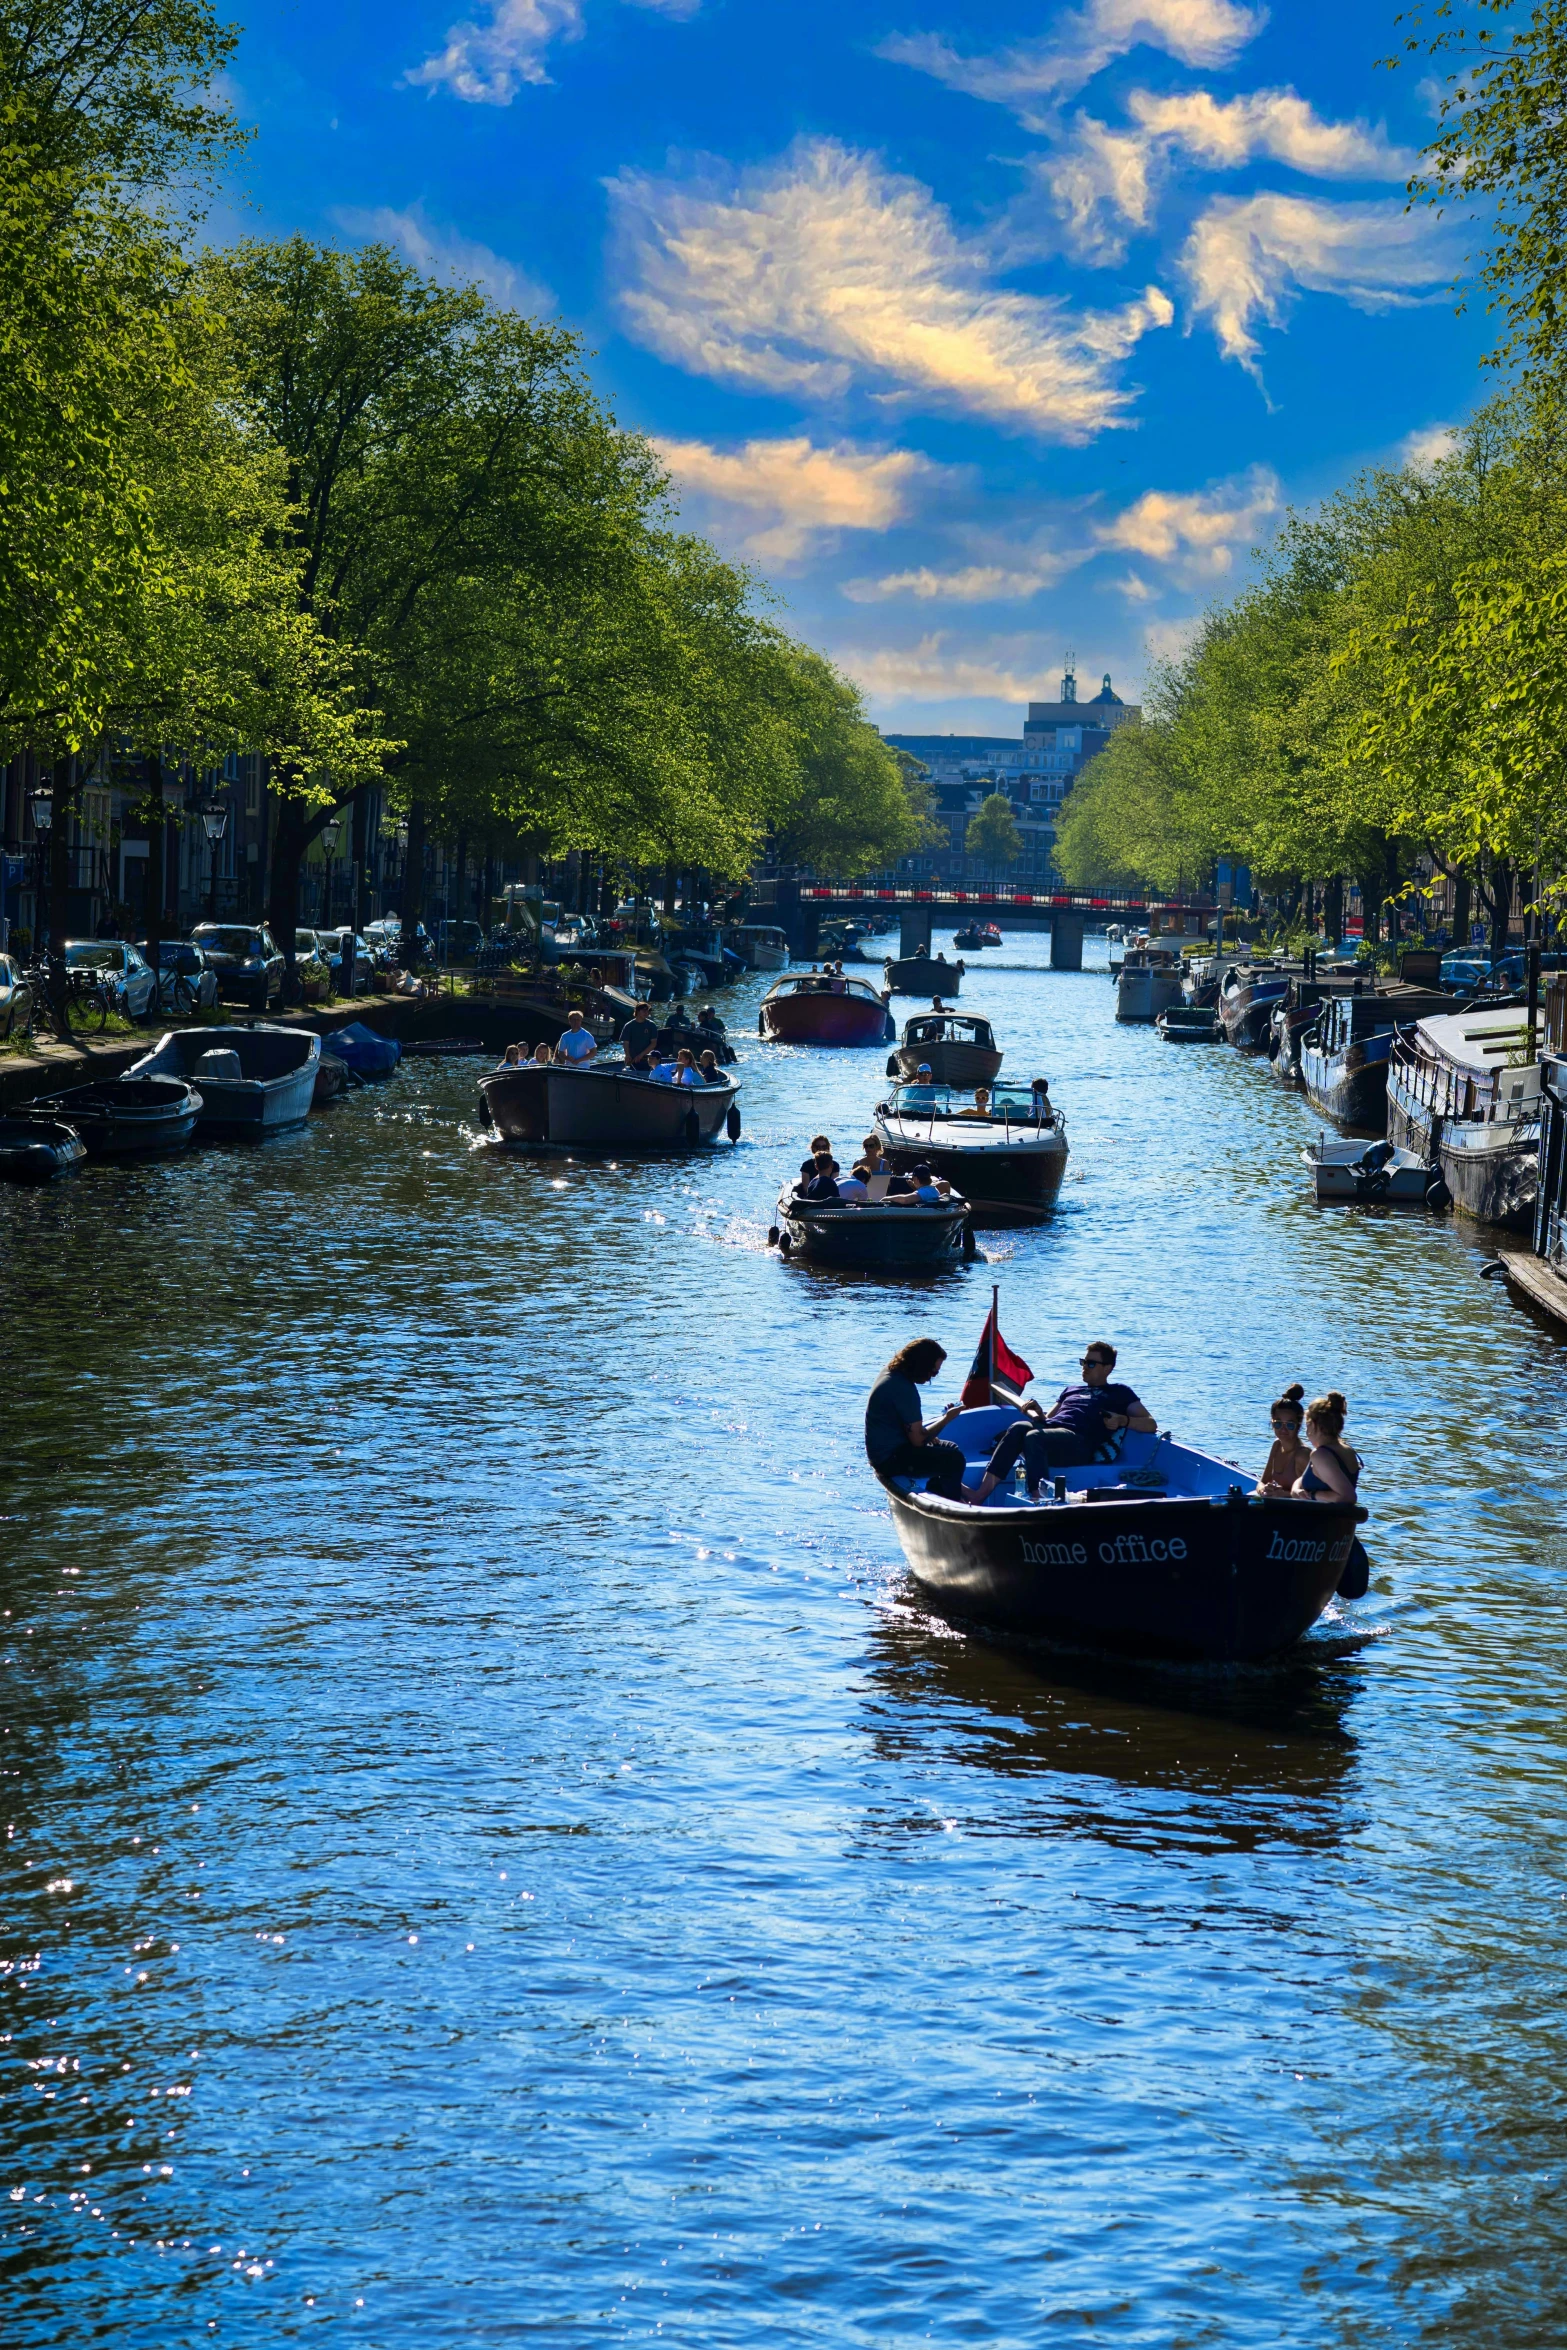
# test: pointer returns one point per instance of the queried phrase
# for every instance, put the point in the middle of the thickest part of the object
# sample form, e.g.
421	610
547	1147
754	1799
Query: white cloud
972	583
484	63
1194	532
822	271
1101	183
1198	32
929	672
1269	122
1428	445
787	494
1246	256
1168	640
442	253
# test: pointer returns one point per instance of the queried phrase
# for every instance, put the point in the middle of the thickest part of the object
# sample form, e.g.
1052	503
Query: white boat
1464	1089
1377	1174
1006	1159
763	945
258	1080
1148	983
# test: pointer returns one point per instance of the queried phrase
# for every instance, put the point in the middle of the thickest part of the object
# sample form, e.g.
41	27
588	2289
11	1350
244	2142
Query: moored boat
762	946
1346	1047
958	1048
815	1007
923	975
1464	1090
886	1233
123	1117
35	1150
1007	1155
1248	992
254	1081
1376	1174
603	1106
1189	1024
365	1052
1147	983
1164	1550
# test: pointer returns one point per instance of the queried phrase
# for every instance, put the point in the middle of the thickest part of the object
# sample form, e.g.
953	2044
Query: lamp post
330	831
40	807
215	823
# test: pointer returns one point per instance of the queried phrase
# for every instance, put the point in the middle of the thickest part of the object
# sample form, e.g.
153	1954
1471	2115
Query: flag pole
995	1308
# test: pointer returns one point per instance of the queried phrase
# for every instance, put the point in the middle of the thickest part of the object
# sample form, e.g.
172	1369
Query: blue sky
982	333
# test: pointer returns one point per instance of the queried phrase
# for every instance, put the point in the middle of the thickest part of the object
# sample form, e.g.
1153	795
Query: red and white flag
993	1361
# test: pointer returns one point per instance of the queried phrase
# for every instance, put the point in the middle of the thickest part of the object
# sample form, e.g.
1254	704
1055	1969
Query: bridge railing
1069	901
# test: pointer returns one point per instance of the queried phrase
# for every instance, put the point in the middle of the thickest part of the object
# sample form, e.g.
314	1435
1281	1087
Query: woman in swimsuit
1333	1471
1289	1457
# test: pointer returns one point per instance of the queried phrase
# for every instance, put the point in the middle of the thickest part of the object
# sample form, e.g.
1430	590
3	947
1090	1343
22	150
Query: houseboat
1463	1089
818	1007
1147	982
762	946
1345	1048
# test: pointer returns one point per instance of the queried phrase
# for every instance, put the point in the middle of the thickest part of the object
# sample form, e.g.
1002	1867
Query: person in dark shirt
1074	1429
897	1441
823	1183
638	1034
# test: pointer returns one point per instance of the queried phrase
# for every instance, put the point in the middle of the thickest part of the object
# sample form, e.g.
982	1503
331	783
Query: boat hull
870	1235
272	1094
949	1063
1016	1185
1144	990
809	1017
1181	1025
131	1116
1491	1169
923	975
1224	1582
1246	1015
35	1150
551	1108
1350	1086
1338	1177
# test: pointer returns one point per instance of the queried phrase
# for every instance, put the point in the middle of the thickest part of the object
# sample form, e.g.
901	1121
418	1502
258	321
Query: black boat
923	975
603	1106
124	1116
34	1150
1346	1050
903	1234
1007	1158
956	1047
1161	1551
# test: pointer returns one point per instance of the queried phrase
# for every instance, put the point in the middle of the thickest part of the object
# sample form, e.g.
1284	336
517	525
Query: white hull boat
254	1081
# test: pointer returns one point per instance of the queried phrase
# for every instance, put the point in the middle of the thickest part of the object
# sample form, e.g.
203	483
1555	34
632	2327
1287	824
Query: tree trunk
1461	914
59	885
1333	910
156	858
1500	900
459	909
412	906
289	841
1390	887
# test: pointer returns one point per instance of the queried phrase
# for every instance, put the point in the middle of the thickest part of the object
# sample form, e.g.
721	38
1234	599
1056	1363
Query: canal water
495	1852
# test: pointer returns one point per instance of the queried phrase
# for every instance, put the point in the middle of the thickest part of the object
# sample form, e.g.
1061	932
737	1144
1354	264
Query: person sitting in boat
873	1163
708	1018
575	1043
925	1190
981	1107
543	1055
1040	1089
897	1441
511	1058
708	1069
1074	1429
1333	1472
1288	1457
823	1183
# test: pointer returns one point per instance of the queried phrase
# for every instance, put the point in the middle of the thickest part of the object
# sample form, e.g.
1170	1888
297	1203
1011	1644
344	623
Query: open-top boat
887	1232
1189	1024
923	975
818	1007
603	1106
124	1117
253	1081
1376	1174
1161	1550
35	1150
956	1047
975	935
1005	1150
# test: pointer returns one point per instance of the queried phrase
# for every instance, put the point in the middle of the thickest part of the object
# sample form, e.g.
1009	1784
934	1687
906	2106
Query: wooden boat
254	1081
1464	1090
604	1106
35	1150
922	975
1148	982
1376	1174
958	1048
1189	1024
1346	1048
1008	1161
807	1007
1163	1551
886	1233
122	1117
1247	994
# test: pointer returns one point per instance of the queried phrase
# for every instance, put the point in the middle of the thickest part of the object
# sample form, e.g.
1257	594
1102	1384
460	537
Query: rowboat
864	1232
124	1117
34	1150
814	1007
254	1081
956	1047
1163	1550
1007	1160
552	1106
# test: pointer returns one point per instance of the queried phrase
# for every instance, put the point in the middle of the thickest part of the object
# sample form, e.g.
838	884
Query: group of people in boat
1076	1430
871	1182
831	979
651	1048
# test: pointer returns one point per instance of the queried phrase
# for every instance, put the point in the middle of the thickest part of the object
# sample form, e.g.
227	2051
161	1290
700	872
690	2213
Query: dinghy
365	1052
35	1150
1378	1174
122	1117
253	1081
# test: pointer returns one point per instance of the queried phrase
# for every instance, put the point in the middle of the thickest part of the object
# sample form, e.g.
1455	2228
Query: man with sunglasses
1073	1432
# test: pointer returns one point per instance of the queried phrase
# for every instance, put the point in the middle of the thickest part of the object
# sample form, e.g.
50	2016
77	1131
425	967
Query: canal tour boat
1160	1550
254	1081
1147	982
130	1116
554	1105
956	1047
35	1150
816	1007
1464	1090
1005	1151
1345	1050
902	1234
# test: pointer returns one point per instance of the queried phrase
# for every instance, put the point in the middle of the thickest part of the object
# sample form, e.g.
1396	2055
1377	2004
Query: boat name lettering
1300	1551
1130	1550
1054	1554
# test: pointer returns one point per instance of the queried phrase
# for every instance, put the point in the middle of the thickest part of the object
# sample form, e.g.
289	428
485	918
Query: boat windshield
1012	1103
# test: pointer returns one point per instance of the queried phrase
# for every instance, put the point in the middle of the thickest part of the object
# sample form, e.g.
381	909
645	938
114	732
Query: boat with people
1346	1045
951	1048
1003	1147
976	935
1375	1174
1463	1089
1147	982
903	1231
603	1105
824	1007
254	1081
922	975
35	1150
130	1116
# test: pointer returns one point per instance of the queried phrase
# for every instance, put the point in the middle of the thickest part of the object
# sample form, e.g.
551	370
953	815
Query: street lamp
40	806
215	823
329	838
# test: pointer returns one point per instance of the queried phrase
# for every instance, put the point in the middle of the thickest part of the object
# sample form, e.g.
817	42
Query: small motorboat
956	1047
124	1116
253	1081
603	1106
887	1232
817	1007
1005	1150
366	1053
1189	1024
922	975
975	935
35	1150
1377	1174
1162	1550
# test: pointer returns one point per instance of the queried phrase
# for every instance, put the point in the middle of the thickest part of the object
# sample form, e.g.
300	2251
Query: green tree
846	809
992	836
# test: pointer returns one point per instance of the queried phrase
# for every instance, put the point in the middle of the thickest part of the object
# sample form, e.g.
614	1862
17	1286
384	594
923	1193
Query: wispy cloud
1195	533
822	271
1227	134
1428	445
1198	32
486	63
444	254
783	497
1247	256
937	670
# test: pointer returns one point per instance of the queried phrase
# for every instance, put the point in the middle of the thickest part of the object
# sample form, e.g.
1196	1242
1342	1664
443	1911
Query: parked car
313	965
1464	971
123	969
247	960
364	965
16	995
188	976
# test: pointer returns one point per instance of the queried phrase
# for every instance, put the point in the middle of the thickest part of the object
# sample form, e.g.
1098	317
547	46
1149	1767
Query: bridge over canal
799	908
